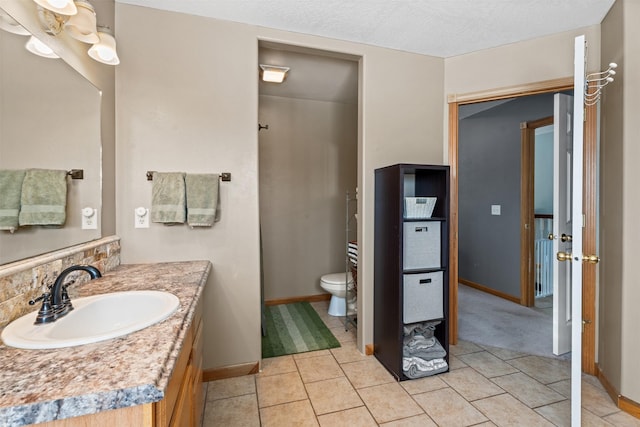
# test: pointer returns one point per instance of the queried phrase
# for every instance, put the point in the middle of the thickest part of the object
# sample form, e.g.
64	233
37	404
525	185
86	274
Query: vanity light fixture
82	25
34	45
273	73
55	16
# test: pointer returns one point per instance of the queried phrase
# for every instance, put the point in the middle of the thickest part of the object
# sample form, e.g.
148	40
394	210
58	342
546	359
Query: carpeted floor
489	320
295	328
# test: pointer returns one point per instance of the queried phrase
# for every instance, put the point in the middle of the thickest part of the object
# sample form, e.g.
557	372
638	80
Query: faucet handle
40	298
46	313
66	301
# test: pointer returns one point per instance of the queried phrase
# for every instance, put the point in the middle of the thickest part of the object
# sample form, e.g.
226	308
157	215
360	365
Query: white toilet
335	284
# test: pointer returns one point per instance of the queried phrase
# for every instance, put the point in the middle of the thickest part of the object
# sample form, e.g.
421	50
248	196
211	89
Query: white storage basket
419	207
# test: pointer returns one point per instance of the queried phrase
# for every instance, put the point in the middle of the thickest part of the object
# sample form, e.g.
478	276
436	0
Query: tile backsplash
24	280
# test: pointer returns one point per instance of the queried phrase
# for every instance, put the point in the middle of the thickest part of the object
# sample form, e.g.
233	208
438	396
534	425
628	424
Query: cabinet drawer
421	245
423	297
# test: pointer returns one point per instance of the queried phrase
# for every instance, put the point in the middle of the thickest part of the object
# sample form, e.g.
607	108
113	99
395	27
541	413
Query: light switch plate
495	209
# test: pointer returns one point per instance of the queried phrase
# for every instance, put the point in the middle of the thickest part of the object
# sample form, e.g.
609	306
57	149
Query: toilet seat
336	279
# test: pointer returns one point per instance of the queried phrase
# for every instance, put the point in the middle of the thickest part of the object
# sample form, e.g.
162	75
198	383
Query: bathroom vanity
152	377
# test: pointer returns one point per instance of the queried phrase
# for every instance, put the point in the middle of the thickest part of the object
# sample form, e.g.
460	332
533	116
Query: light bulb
61	7
106	54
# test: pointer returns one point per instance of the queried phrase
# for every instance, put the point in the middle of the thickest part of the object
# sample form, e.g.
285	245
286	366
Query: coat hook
260	127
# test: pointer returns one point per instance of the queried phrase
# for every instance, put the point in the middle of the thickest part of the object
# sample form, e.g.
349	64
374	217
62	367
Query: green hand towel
202	199
44	197
168	198
10	192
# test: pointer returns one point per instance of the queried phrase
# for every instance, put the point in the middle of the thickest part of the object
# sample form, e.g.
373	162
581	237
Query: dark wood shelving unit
396	246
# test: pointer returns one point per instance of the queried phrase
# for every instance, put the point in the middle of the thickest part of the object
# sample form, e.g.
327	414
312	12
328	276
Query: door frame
589	205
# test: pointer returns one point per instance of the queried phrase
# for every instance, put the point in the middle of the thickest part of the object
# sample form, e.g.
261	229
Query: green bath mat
295	328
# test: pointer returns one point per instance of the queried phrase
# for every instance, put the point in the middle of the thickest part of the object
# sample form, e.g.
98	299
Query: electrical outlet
141	216
495	209
89	218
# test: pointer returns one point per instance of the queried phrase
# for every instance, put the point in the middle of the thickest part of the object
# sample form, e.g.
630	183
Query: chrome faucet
56	303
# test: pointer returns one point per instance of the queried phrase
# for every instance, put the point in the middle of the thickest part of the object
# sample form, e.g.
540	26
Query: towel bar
224	176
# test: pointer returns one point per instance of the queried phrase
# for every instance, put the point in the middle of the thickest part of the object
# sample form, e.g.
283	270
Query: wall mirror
50	119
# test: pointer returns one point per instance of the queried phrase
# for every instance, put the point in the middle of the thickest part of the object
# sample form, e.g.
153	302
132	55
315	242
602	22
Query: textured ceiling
442	28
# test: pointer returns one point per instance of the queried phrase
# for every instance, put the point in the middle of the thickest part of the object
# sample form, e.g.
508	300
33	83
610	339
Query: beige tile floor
341	387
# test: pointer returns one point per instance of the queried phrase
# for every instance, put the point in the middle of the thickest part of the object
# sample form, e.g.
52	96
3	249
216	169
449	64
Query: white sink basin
95	318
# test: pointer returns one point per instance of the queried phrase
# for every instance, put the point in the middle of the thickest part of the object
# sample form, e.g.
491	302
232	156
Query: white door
562	221
576	255
568	222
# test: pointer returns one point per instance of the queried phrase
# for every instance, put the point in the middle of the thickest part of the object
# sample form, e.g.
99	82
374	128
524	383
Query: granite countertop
45	385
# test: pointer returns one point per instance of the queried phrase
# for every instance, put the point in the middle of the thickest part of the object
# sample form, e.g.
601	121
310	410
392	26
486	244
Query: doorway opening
308	133
456	101
496	194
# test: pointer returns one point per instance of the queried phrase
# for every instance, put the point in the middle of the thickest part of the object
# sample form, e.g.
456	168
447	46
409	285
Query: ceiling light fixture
273	73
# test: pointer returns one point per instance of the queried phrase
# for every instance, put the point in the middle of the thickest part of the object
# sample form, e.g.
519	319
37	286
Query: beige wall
611	202
631	292
536	60
188	100
619	347
308	160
